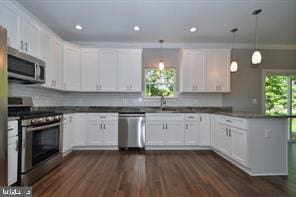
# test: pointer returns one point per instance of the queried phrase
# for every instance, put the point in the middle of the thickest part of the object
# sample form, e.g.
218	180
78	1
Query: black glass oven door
45	144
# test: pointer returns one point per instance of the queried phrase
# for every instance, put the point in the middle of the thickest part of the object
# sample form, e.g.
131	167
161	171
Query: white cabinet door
193	69
191	133
155	133
89	69
218	74
187	82
10	19
12	159
204	130
108	69
94	133
30	33
136	70
68	132
80	129
225	140
199	71
71	65
45	53
124	69
110	133
239	145
57	63
174	133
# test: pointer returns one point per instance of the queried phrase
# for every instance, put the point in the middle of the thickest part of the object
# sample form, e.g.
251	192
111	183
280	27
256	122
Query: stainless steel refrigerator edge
3	106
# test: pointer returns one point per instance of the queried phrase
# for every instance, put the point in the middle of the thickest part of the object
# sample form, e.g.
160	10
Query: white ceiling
113	20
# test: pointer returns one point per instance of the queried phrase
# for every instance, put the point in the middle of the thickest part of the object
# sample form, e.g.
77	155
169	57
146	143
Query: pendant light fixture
161	63
256	56
233	65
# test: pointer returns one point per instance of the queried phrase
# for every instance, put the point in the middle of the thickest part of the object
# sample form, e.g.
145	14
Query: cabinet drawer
12	128
103	117
164	117
233	122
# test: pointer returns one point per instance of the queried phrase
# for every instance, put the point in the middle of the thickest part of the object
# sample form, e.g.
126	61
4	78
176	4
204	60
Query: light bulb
161	65
256	57
233	66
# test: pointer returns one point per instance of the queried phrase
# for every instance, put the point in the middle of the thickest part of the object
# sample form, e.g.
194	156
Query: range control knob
34	121
49	118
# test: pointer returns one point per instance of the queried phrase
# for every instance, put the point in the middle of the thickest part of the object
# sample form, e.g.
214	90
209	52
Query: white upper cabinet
10	19
135	73
45	53
29	37
56	68
90	69
129	70
124	62
218	73
71	67
108	70
193	71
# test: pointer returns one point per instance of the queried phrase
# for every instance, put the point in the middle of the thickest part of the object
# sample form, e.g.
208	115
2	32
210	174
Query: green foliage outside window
159	83
276	92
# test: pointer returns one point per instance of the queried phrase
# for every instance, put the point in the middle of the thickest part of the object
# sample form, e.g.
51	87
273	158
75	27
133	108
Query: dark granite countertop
251	115
226	111
119	109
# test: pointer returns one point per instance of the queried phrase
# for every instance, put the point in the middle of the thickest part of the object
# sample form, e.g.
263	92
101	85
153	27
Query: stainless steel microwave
24	68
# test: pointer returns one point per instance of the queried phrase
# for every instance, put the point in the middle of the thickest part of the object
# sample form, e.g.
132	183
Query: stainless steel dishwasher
131	130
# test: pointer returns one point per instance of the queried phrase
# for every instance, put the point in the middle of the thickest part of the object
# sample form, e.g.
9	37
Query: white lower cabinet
191	133
229	139
12	151
68	132
155	134
174	133
102	129
80	129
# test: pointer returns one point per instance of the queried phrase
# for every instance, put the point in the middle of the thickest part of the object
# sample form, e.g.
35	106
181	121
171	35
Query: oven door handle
42	127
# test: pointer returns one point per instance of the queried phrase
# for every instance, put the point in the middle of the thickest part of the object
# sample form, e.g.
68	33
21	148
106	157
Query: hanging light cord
256	21
233	41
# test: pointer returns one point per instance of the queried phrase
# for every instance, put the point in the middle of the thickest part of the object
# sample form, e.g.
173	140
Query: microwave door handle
37	71
42	127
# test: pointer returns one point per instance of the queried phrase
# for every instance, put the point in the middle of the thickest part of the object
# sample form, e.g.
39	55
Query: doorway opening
279	94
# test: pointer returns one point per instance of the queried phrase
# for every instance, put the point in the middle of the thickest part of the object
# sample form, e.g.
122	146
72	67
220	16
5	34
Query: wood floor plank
158	173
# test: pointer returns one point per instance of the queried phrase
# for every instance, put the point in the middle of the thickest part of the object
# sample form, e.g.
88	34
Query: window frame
174	84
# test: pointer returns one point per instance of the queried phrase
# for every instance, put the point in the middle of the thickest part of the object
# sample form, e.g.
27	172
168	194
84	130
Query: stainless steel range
40	139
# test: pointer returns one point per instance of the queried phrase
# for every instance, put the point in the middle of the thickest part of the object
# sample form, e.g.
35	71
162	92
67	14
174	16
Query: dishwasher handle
131	115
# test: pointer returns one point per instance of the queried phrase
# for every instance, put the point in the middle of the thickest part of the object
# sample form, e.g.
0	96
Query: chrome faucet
162	103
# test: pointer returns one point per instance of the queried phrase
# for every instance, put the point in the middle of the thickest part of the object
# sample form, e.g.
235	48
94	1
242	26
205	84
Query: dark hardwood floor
159	173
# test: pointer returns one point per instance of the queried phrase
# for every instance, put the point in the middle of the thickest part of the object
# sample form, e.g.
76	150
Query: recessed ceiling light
137	28
193	29
78	27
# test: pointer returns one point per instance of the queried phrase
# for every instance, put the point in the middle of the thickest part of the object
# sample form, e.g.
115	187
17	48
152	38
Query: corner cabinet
71	67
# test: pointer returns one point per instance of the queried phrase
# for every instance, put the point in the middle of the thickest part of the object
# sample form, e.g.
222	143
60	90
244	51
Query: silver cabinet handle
16	145
229	132
26	46
186	126
10	129
101	126
166	126
22	45
200	119
163	127
228	120
104	127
